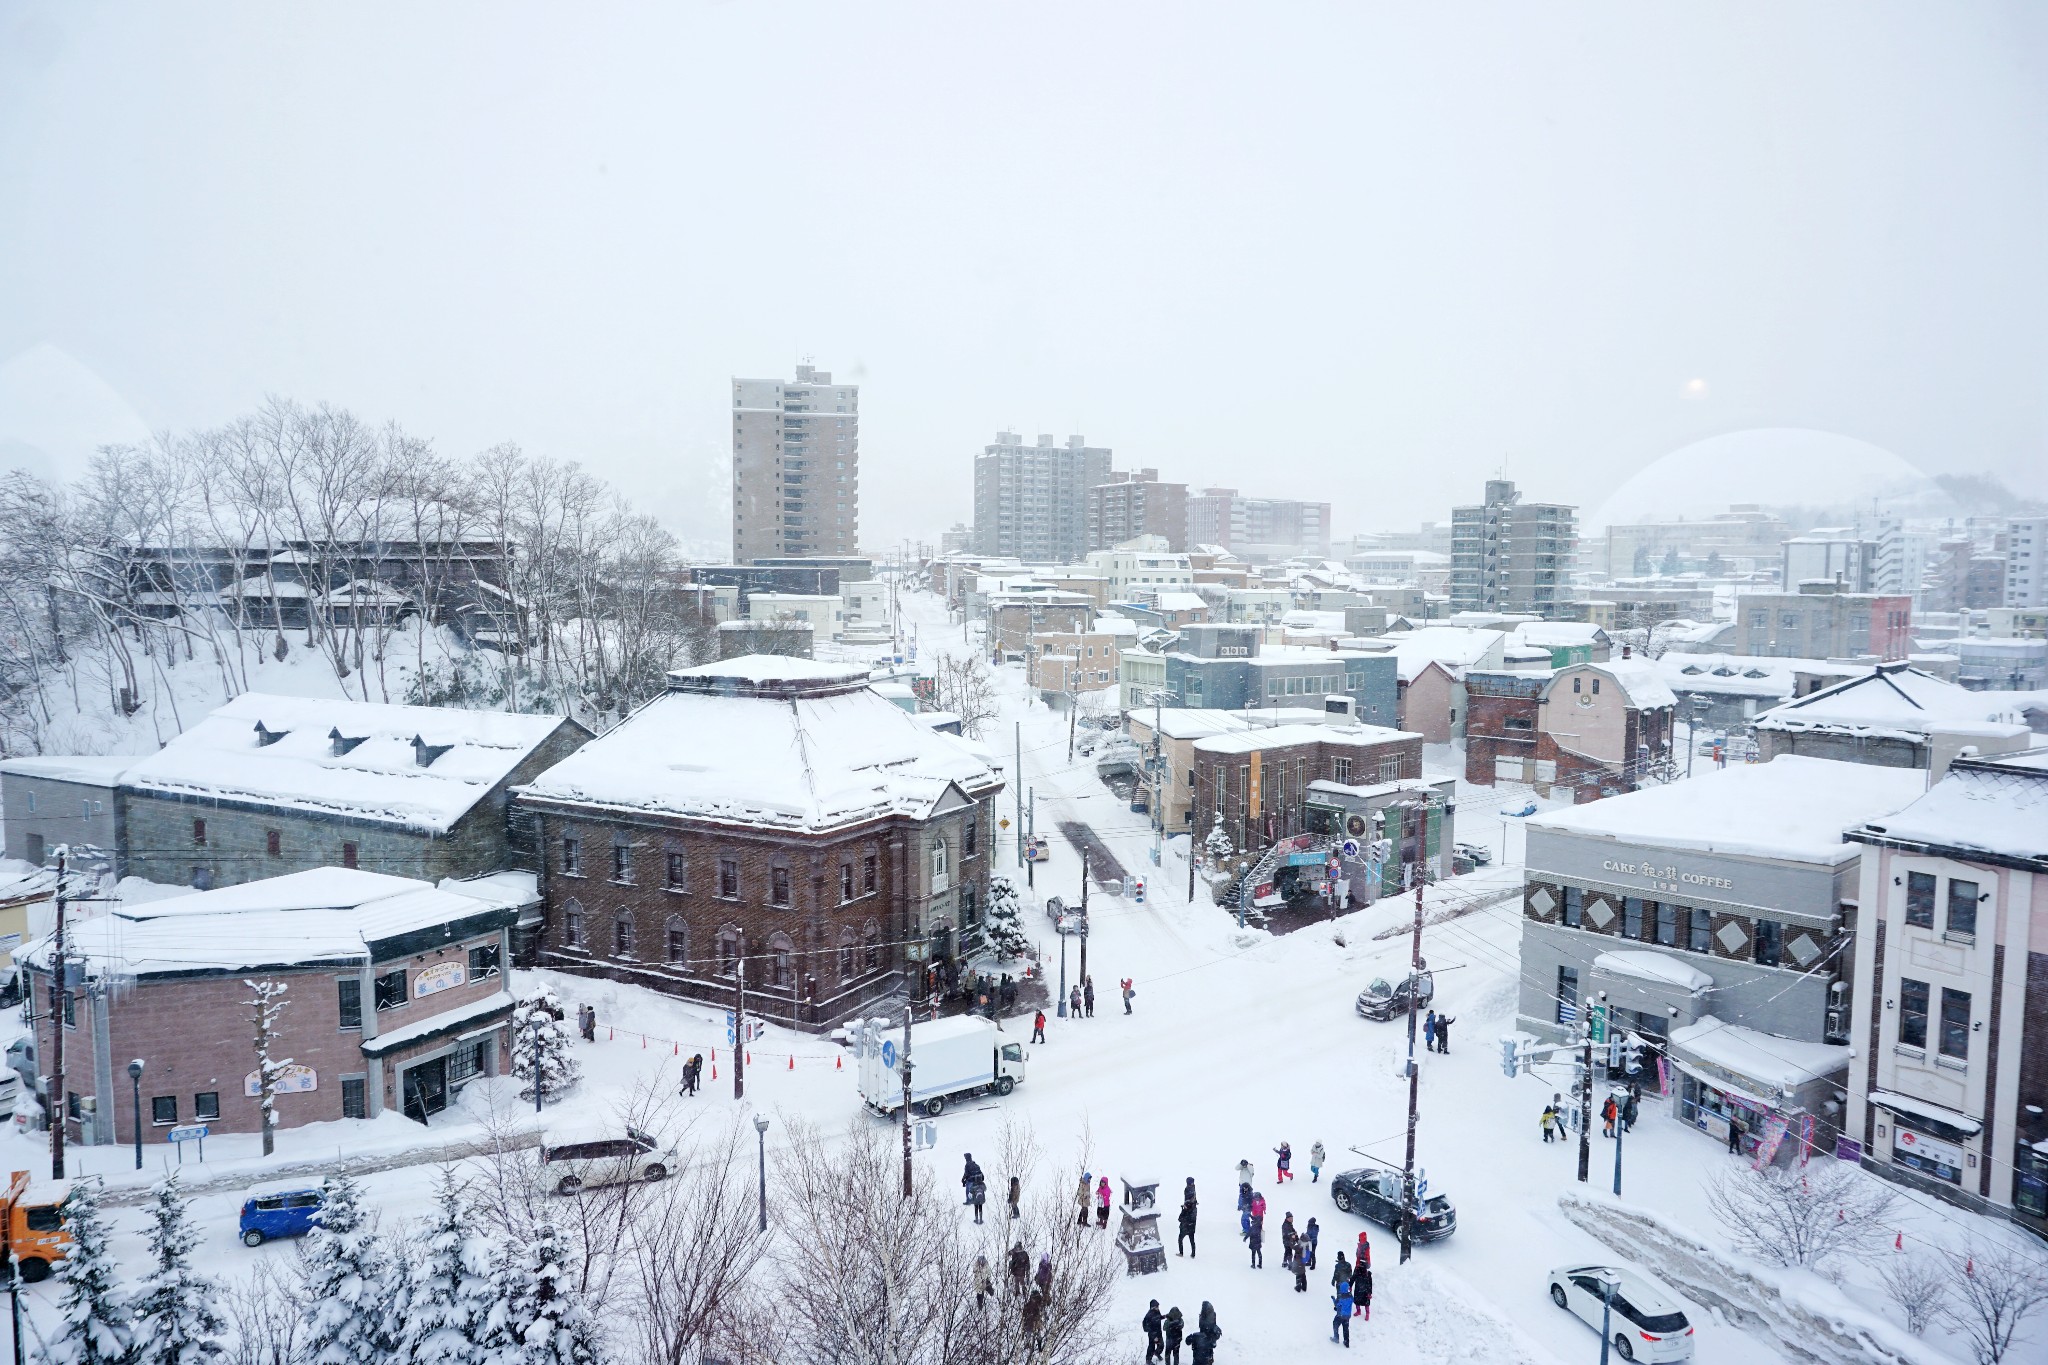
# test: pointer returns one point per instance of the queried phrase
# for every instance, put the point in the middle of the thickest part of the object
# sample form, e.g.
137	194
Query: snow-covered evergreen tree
1217	846
348	1286
266	1004
448	1304
540	1041
540	1320
1005	923
177	1313
96	1323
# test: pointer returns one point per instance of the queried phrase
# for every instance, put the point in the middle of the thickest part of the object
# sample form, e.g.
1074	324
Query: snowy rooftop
1992	809
1244	742
1792	807
1195	722
1455	647
1893	698
93	770
821	753
1547	634
1639	678
422	767
1182	601
1785	1063
1737	675
321	915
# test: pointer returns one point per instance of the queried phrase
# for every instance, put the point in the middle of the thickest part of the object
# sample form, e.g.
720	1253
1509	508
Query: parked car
21	1060
611	1154
1375	1194
1648	1321
279	1210
1383	1001
1065	919
1479	855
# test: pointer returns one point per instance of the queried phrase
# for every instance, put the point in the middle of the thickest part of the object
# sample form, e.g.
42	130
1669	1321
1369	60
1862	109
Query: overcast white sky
1351	251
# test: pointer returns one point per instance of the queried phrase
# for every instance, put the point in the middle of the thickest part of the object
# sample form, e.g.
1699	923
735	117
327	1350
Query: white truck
950	1058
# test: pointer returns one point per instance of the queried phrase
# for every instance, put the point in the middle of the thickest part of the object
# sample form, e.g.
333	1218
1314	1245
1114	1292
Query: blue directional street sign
889	1053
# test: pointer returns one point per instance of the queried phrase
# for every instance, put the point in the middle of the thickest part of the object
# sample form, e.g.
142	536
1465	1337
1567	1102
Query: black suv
1376	1194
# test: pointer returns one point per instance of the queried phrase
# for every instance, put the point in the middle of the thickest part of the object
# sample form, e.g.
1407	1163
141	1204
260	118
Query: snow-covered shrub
346	1283
446	1306
541	1319
540	1047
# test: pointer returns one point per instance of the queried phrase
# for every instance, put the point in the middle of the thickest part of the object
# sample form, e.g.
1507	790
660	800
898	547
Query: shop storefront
1781	1100
1927	1139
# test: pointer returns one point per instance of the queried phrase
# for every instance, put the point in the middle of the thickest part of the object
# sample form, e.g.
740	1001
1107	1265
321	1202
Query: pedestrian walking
1088	995
1187	1225
1429	1032
586	1022
1244	1211
1258	1206
1032	1319
984	1283
1289	1238
1734	1136
1340	1322
1283	1163
1102	1203
1443	1032
1188	1194
1173	1327
975	1184
1016	1197
1300	1270
1340	1278
1074	1003
1309	1235
1361	1292
693	1071
1081	1199
1256	1237
1155	1338
1628	1112
1315	1162
1043	1279
1020	1266
1607	1113
1202	1348
1038	1028
1206	1323
1129	991
1549	1121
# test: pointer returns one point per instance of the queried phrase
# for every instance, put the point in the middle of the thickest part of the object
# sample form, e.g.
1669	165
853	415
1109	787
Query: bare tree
1917	1285
1997	1287
265	1005
1800	1218
265	1326
692	1249
964	686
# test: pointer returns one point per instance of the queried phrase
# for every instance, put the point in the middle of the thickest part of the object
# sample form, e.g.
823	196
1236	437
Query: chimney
1626	650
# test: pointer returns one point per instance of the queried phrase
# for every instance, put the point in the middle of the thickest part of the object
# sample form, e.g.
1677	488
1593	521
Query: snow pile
1793	808
1784	1062
422	767
1644	965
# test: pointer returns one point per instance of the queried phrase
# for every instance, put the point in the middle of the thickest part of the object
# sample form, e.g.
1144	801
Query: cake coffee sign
1667	877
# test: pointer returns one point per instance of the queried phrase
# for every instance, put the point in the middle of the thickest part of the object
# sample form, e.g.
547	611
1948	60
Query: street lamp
1608	1280
761	1128
135	1076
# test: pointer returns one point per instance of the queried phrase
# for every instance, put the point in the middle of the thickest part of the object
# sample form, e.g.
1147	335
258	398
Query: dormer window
424	753
265	736
339	744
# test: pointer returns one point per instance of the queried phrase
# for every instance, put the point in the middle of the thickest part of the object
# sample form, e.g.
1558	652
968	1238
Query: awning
1905	1104
1725	1088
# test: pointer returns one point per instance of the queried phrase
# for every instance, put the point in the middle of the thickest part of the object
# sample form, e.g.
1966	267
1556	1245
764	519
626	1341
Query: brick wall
1487	736
814	929
1285	772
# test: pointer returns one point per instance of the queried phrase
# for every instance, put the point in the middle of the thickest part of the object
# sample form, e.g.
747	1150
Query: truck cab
36	1235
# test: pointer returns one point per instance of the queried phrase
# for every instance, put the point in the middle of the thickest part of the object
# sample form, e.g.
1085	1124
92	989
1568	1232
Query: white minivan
587	1156
1648	1321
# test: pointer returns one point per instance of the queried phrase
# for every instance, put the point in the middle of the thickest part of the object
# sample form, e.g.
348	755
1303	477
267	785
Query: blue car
273	1211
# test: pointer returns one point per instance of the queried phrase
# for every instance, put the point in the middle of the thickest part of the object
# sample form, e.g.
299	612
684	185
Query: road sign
924	1135
1350	849
1003	823
1599	1022
191	1132
889	1054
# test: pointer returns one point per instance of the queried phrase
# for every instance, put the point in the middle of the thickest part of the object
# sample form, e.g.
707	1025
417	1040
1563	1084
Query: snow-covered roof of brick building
1997	805
421	767
783	743
1891	699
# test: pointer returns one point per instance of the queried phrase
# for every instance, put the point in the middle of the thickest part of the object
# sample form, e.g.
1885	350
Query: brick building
396	998
267	785
1070	661
1014	620
1595	728
1255	783
1896	715
774	812
1131	505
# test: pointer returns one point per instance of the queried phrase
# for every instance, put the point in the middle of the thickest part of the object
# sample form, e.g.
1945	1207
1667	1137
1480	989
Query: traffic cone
714	1071
750	1059
643	1042
1899	1242
792	1061
675	1049
611	1035
836	1066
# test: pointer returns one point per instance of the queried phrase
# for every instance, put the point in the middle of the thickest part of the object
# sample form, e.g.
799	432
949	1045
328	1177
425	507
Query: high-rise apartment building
2026	562
1513	556
795	467
1132	505
1259	529
1031	502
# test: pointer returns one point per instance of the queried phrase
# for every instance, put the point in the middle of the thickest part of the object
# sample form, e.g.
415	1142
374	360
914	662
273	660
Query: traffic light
1510	1063
1632	1055
1138	890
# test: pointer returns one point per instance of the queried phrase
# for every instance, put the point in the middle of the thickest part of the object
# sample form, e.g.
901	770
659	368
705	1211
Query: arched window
846	955
781	962
729	940
675	945
871	936
938	859
622	934
572	923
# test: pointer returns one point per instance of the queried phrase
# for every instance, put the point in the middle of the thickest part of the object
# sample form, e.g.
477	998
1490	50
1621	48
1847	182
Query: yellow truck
36	1235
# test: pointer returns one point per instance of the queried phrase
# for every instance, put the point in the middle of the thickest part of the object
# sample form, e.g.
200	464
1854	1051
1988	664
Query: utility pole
908	1011
59	1109
1073	710
1017	779
1414	1081
739	1026
1084	917
1031	829
1158	814
1586	1096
